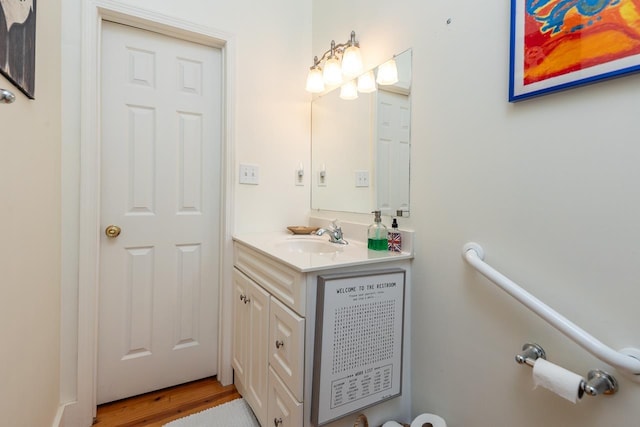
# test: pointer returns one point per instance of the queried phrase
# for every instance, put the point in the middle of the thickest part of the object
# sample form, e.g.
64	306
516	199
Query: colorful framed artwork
18	43
560	44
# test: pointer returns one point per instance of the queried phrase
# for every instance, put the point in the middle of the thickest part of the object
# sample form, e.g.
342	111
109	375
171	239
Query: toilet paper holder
597	382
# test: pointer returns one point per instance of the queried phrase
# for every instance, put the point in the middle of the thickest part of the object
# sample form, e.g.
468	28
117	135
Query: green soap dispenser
377	234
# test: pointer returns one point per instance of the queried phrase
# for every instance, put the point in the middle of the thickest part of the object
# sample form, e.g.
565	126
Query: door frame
94	13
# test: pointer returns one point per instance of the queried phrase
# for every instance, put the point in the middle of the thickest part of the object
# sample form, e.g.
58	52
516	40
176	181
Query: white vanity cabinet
274	311
269	338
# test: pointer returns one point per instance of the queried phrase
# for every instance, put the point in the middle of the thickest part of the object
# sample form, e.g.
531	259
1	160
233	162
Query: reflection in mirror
360	148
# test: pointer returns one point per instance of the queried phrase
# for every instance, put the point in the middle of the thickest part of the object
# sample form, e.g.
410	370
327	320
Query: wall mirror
361	148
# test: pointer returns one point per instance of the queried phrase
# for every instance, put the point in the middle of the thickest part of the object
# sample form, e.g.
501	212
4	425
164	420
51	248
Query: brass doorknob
112	231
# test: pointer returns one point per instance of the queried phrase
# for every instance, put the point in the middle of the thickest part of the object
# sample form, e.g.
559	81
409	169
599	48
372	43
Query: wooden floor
159	407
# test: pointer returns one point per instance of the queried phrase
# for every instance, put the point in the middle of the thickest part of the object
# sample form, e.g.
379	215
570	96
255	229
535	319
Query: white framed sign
358	342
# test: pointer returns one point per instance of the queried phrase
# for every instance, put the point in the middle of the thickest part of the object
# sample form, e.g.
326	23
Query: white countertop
284	247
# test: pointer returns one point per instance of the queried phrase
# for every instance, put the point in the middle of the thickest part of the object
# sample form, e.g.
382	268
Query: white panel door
160	183
393	152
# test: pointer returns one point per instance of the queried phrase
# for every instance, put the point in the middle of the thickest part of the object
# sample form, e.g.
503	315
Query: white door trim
95	12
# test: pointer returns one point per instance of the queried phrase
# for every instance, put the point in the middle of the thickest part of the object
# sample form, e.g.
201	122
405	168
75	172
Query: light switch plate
299	176
362	178
322	178
249	174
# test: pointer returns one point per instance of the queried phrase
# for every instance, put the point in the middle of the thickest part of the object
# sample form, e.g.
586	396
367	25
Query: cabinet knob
279	343
245	299
277	421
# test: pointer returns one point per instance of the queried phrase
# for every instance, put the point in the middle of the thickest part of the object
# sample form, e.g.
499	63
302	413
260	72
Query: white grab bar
626	360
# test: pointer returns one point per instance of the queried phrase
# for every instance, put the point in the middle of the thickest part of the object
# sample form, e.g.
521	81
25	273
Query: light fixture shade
387	73
367	82
315	82
332	71
352	62
349	90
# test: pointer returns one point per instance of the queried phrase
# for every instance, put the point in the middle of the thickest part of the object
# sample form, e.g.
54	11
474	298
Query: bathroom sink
309	245
308	252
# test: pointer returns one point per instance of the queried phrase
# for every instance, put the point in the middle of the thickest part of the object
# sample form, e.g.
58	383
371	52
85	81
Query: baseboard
71	414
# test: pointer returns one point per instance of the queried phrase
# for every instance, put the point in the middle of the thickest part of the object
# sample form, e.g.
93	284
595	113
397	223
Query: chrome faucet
335	233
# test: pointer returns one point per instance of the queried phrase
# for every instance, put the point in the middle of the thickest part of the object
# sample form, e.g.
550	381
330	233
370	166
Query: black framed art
18	43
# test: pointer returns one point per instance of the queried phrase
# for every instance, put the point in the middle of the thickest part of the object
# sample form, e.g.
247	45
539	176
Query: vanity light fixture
388	73
341	60
315	81
349	90
367	82
332	73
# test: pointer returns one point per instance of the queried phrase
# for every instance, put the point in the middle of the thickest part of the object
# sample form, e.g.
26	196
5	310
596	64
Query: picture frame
358	343
18	43
560	44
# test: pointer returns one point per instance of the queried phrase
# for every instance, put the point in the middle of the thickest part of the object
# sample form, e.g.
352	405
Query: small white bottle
394	238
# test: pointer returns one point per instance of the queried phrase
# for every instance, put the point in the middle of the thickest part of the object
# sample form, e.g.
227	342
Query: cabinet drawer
284	282
284	409
286	347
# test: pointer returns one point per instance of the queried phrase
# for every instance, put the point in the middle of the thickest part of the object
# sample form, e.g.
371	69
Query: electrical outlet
249	174
362	178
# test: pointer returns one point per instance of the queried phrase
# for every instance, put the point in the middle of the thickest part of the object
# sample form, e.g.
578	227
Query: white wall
549	188
30	249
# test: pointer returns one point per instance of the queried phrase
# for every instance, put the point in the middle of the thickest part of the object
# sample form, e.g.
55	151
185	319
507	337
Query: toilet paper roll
561	381
423	419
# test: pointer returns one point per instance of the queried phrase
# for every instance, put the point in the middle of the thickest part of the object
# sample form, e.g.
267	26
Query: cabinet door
284	409
240	345
286	347
258	363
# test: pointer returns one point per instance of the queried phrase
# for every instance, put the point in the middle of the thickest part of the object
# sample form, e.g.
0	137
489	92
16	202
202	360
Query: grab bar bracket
473	246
